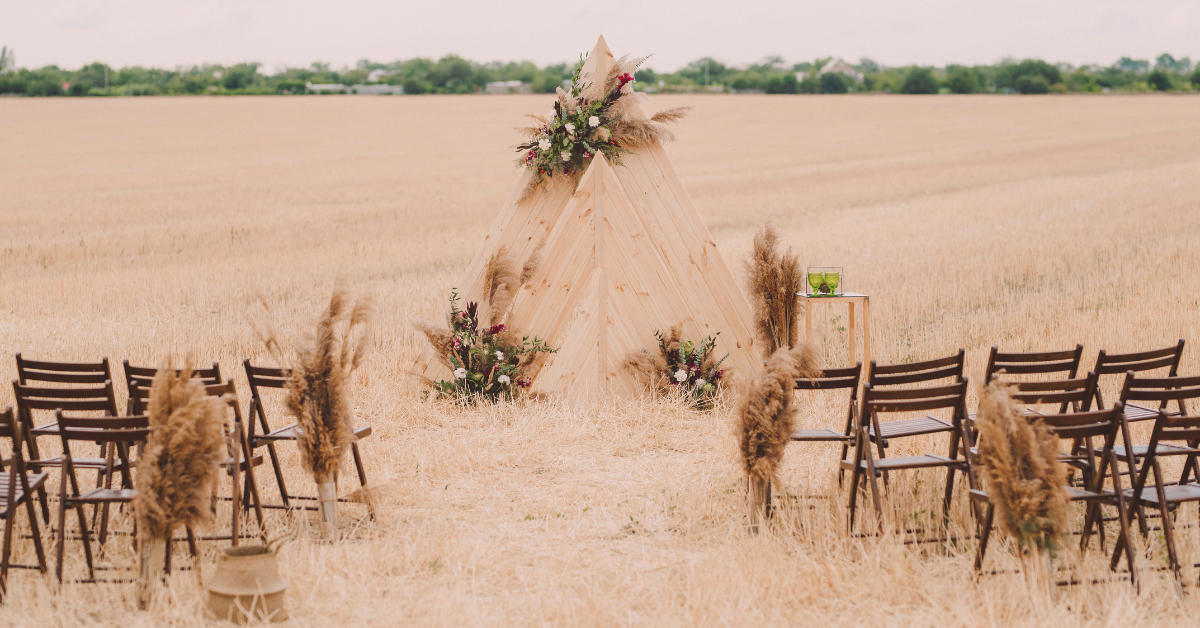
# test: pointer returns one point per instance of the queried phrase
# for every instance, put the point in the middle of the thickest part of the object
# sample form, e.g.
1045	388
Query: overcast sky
167	33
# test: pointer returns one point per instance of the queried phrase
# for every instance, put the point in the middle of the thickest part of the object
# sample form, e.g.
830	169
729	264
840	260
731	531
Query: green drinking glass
814	280
832	280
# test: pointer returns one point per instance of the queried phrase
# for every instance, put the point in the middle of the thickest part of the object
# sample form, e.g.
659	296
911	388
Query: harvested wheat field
142	228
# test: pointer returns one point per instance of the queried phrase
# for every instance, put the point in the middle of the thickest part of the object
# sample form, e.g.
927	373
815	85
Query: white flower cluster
593	122
504	379
681	376
544	144
460	373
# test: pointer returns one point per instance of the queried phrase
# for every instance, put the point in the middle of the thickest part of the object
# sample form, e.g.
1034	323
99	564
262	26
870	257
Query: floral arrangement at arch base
688	369
579	128
486	358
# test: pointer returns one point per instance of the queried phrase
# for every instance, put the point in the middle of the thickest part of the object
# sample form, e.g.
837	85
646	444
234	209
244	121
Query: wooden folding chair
834	379
241	460
16	488
877	402
895	375
261	377
1071	428
1062	363
1172	436
142	377
1123	363
99	399
123	433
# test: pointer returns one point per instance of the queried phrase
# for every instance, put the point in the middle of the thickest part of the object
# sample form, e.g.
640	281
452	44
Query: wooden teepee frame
623	253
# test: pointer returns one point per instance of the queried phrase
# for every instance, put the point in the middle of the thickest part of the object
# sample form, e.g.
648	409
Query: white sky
166	33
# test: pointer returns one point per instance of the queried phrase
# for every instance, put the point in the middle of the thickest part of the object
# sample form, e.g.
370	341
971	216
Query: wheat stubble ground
137	228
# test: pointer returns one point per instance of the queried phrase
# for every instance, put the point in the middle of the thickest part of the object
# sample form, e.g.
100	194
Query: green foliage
962	80
810	85
835	83
783	84
1032	84
1195	78
919	81
1031	76
1159	80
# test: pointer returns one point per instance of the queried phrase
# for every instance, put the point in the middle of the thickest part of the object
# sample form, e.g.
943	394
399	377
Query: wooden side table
851	298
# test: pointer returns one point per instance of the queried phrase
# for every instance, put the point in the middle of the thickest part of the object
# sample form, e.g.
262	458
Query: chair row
84	410
1066	405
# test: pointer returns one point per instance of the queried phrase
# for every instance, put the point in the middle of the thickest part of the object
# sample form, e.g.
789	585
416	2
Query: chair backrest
1160	389
83	399
1183	430
270	377
895	400
10	428
1045	363
142	375
831	379
918	372
1076	393
37	371
228	392
1118	363
116	429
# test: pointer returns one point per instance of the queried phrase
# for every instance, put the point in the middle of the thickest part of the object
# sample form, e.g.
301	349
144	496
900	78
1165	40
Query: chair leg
9	520
87	542
62	526
37	534
257	500
283	494
875	491
1123	517
985	533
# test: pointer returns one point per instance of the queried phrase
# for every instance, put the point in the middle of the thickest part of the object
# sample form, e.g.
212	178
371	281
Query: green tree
1195	78
919	81
1159	80
1011	75
785	84
962	80
1032	84
835	83
810	85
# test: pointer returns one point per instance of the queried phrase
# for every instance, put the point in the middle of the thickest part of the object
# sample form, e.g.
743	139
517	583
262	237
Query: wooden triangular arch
601	292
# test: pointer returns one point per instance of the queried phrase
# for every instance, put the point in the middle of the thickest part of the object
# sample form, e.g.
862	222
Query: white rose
593	122
503	379
566	155
700	383
544	144
570	128
499	355
460	373
680	376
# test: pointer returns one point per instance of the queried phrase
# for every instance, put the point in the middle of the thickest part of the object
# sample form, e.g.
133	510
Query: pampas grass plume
766	412
1022	472
774	281
502	281
178	471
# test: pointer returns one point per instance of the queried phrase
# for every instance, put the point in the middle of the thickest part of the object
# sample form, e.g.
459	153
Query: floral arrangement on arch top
581	126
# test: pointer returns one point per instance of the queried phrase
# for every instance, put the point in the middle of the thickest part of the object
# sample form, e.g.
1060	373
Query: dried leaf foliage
319	389
671	115
766	413
1022	472
774	279
178	472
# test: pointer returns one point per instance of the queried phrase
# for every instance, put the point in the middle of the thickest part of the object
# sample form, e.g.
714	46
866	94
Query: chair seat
290	433
1175	494
1136	412
907	462
255	461
820	435
43	430
81	463
35	481
105	495
1073	494
1163	449
912	427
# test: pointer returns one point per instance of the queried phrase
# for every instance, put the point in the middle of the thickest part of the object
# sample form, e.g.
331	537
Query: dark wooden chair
877	402
1172	436
1101	425
122	432
1123	363
241	460
834	379
17	486
1065	364
937	371
1157	391
88	373
260	378
142	376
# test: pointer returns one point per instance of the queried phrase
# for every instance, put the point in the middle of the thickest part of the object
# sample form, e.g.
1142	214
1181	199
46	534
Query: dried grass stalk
649	370
774	280
1022	472
565	101
178	472
501	281
531	263
634	133
439	336
766	414
671	115
319	389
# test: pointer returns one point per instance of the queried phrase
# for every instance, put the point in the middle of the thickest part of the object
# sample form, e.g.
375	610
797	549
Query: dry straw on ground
773	281
631	514
1022	473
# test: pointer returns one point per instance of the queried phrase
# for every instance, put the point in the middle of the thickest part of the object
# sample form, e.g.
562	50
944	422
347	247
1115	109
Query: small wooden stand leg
866	332
808	319
853	345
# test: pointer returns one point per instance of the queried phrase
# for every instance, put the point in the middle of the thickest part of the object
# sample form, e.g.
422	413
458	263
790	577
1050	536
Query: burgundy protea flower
495	329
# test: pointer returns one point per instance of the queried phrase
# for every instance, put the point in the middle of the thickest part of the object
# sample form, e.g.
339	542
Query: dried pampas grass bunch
766	413
1022	473
178	472
319	390
502	281
774	280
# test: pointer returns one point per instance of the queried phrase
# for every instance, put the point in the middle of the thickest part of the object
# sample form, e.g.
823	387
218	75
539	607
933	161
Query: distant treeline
454	75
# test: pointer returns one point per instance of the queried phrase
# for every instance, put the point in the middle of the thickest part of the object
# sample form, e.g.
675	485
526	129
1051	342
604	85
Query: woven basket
247	585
